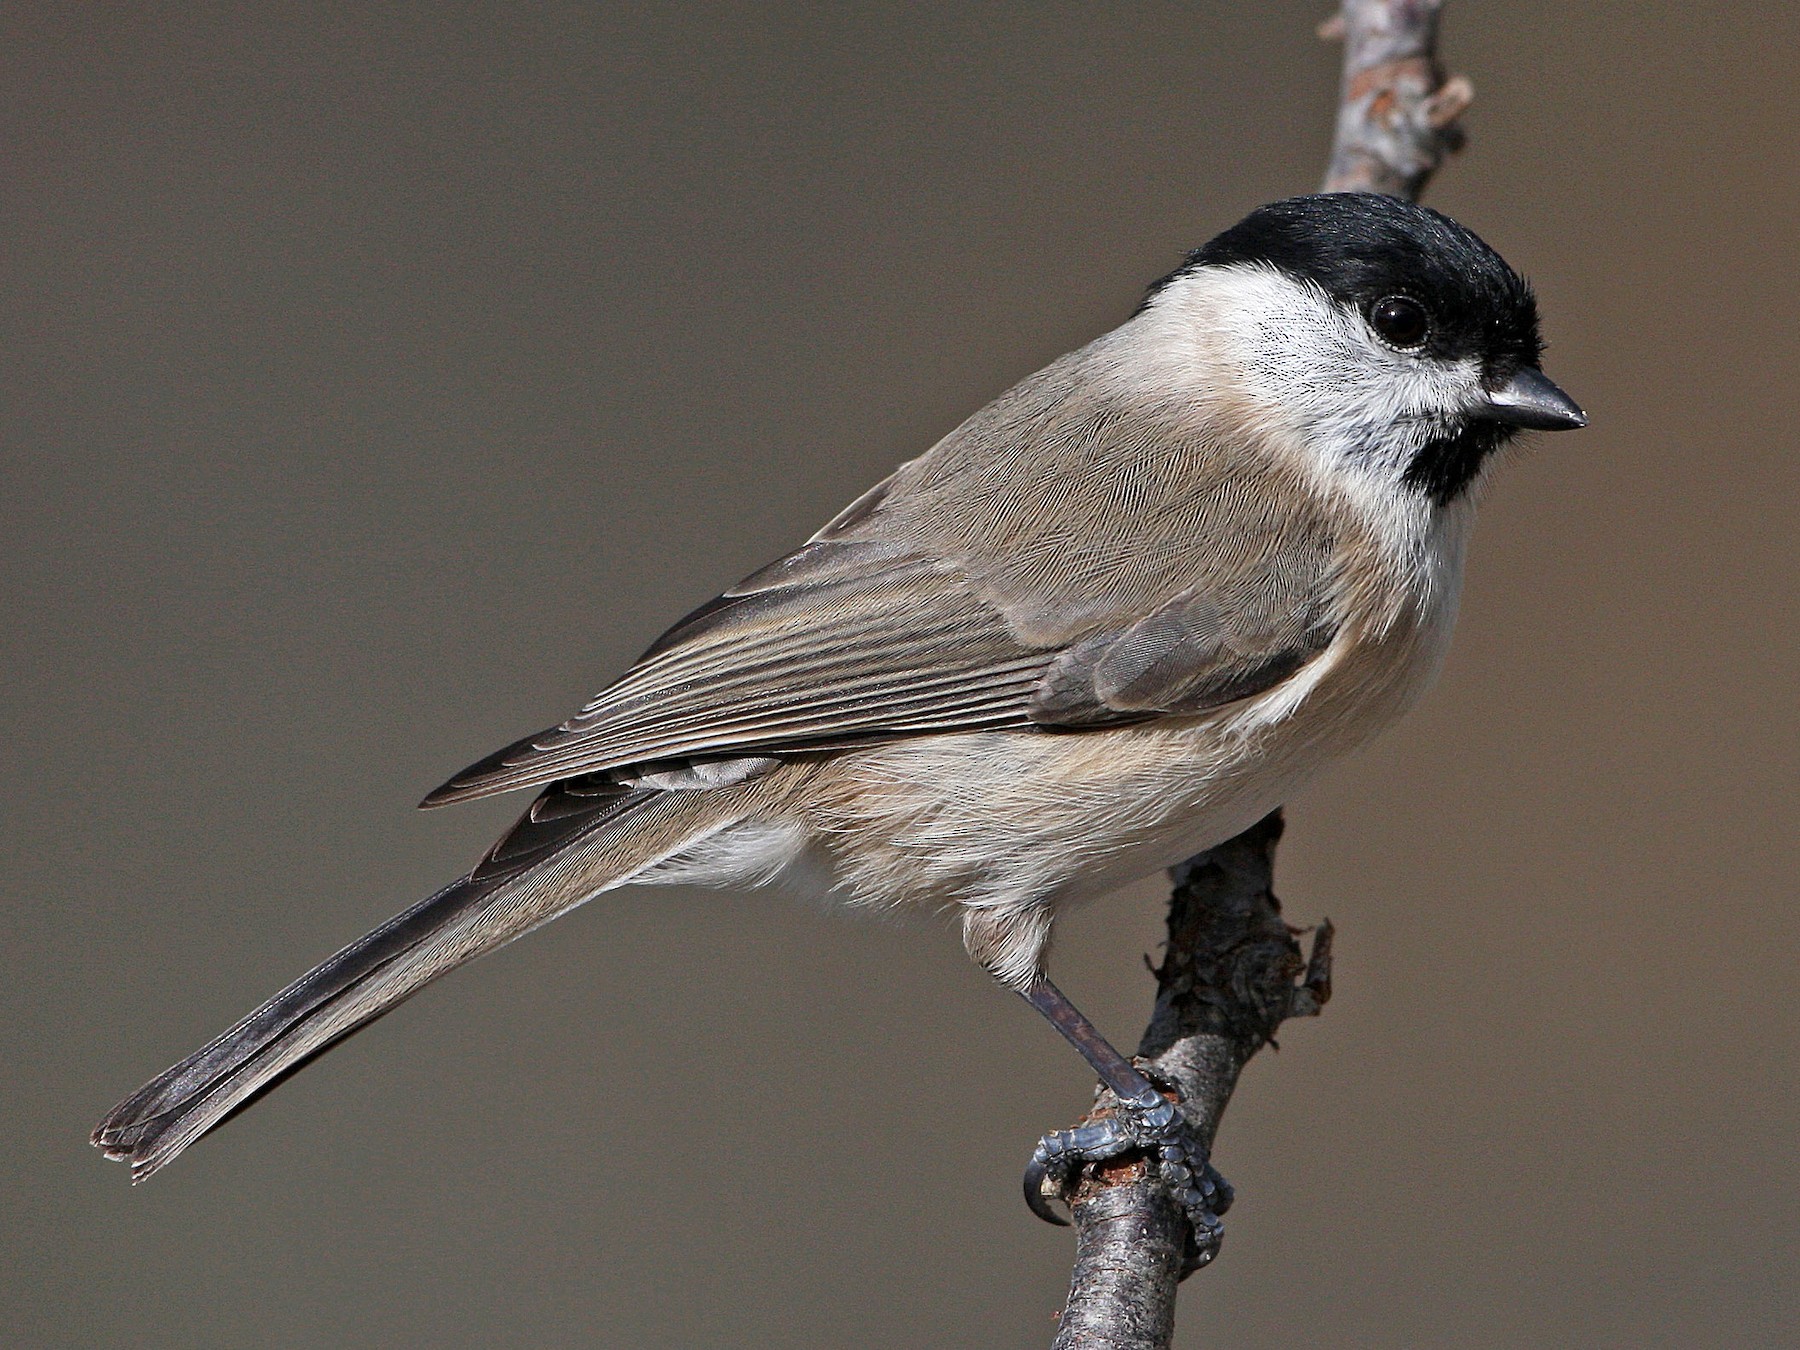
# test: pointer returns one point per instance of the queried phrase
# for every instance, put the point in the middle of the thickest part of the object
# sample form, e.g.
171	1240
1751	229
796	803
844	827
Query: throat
1445	466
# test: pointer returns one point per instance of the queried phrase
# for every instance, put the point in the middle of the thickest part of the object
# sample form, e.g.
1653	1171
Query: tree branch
1232	973
1397	114
1232	970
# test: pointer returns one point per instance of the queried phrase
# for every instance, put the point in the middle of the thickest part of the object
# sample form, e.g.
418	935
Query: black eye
1400	320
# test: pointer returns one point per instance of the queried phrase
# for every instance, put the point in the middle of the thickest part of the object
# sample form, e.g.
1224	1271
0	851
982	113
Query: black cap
1361	247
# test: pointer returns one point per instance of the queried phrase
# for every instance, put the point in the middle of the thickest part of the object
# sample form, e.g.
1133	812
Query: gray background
383	378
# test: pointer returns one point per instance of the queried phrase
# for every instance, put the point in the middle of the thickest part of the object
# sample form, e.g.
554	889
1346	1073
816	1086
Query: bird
1112	619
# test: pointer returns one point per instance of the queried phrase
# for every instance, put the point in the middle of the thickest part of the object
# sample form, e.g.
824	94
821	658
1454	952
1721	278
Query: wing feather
1076	555
906	649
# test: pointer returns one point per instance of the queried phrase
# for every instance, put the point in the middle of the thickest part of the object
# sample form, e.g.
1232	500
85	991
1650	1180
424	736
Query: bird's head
1389	338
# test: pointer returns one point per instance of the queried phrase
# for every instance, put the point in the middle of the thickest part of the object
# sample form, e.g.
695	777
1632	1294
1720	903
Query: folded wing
846	643
836	643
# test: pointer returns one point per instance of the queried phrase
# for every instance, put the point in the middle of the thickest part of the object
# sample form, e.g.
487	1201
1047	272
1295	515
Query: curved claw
1036	1172
1062	1151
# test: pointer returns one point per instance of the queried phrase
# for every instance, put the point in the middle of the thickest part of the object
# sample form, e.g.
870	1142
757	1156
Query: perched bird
1112	619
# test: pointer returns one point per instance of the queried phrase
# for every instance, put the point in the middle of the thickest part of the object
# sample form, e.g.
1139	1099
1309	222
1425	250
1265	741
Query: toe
1219	1193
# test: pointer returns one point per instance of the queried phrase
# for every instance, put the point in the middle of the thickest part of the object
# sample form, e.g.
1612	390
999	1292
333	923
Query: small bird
1113	619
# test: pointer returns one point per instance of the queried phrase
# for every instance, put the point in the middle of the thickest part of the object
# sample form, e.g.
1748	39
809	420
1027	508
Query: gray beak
1530	400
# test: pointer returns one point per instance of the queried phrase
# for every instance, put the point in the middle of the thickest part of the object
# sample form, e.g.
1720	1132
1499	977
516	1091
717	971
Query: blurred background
384	377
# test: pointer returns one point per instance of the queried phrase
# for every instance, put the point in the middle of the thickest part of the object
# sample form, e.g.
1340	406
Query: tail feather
596	847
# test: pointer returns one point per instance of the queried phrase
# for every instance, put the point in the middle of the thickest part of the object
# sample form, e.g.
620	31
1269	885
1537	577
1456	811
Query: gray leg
1147	1121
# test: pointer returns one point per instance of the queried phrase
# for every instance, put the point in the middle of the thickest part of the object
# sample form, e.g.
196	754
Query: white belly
1061	817
1024	822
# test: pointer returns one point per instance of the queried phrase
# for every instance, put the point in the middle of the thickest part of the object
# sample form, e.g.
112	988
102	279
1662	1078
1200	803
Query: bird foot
1153	1126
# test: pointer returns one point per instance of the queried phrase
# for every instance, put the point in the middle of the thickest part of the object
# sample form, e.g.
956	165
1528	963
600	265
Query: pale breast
977	818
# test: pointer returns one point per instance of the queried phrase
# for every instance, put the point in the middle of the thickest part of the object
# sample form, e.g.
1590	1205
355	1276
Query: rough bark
1231	974
1232	970
1397	113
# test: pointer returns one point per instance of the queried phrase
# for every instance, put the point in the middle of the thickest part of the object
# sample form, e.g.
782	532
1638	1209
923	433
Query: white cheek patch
1361	406
1357	409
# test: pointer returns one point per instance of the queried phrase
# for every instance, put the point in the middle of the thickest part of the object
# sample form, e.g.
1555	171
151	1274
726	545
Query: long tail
574	843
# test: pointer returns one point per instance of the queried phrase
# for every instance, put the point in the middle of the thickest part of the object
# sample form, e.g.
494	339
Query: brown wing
834	643
839	645
1073	556
1187	657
